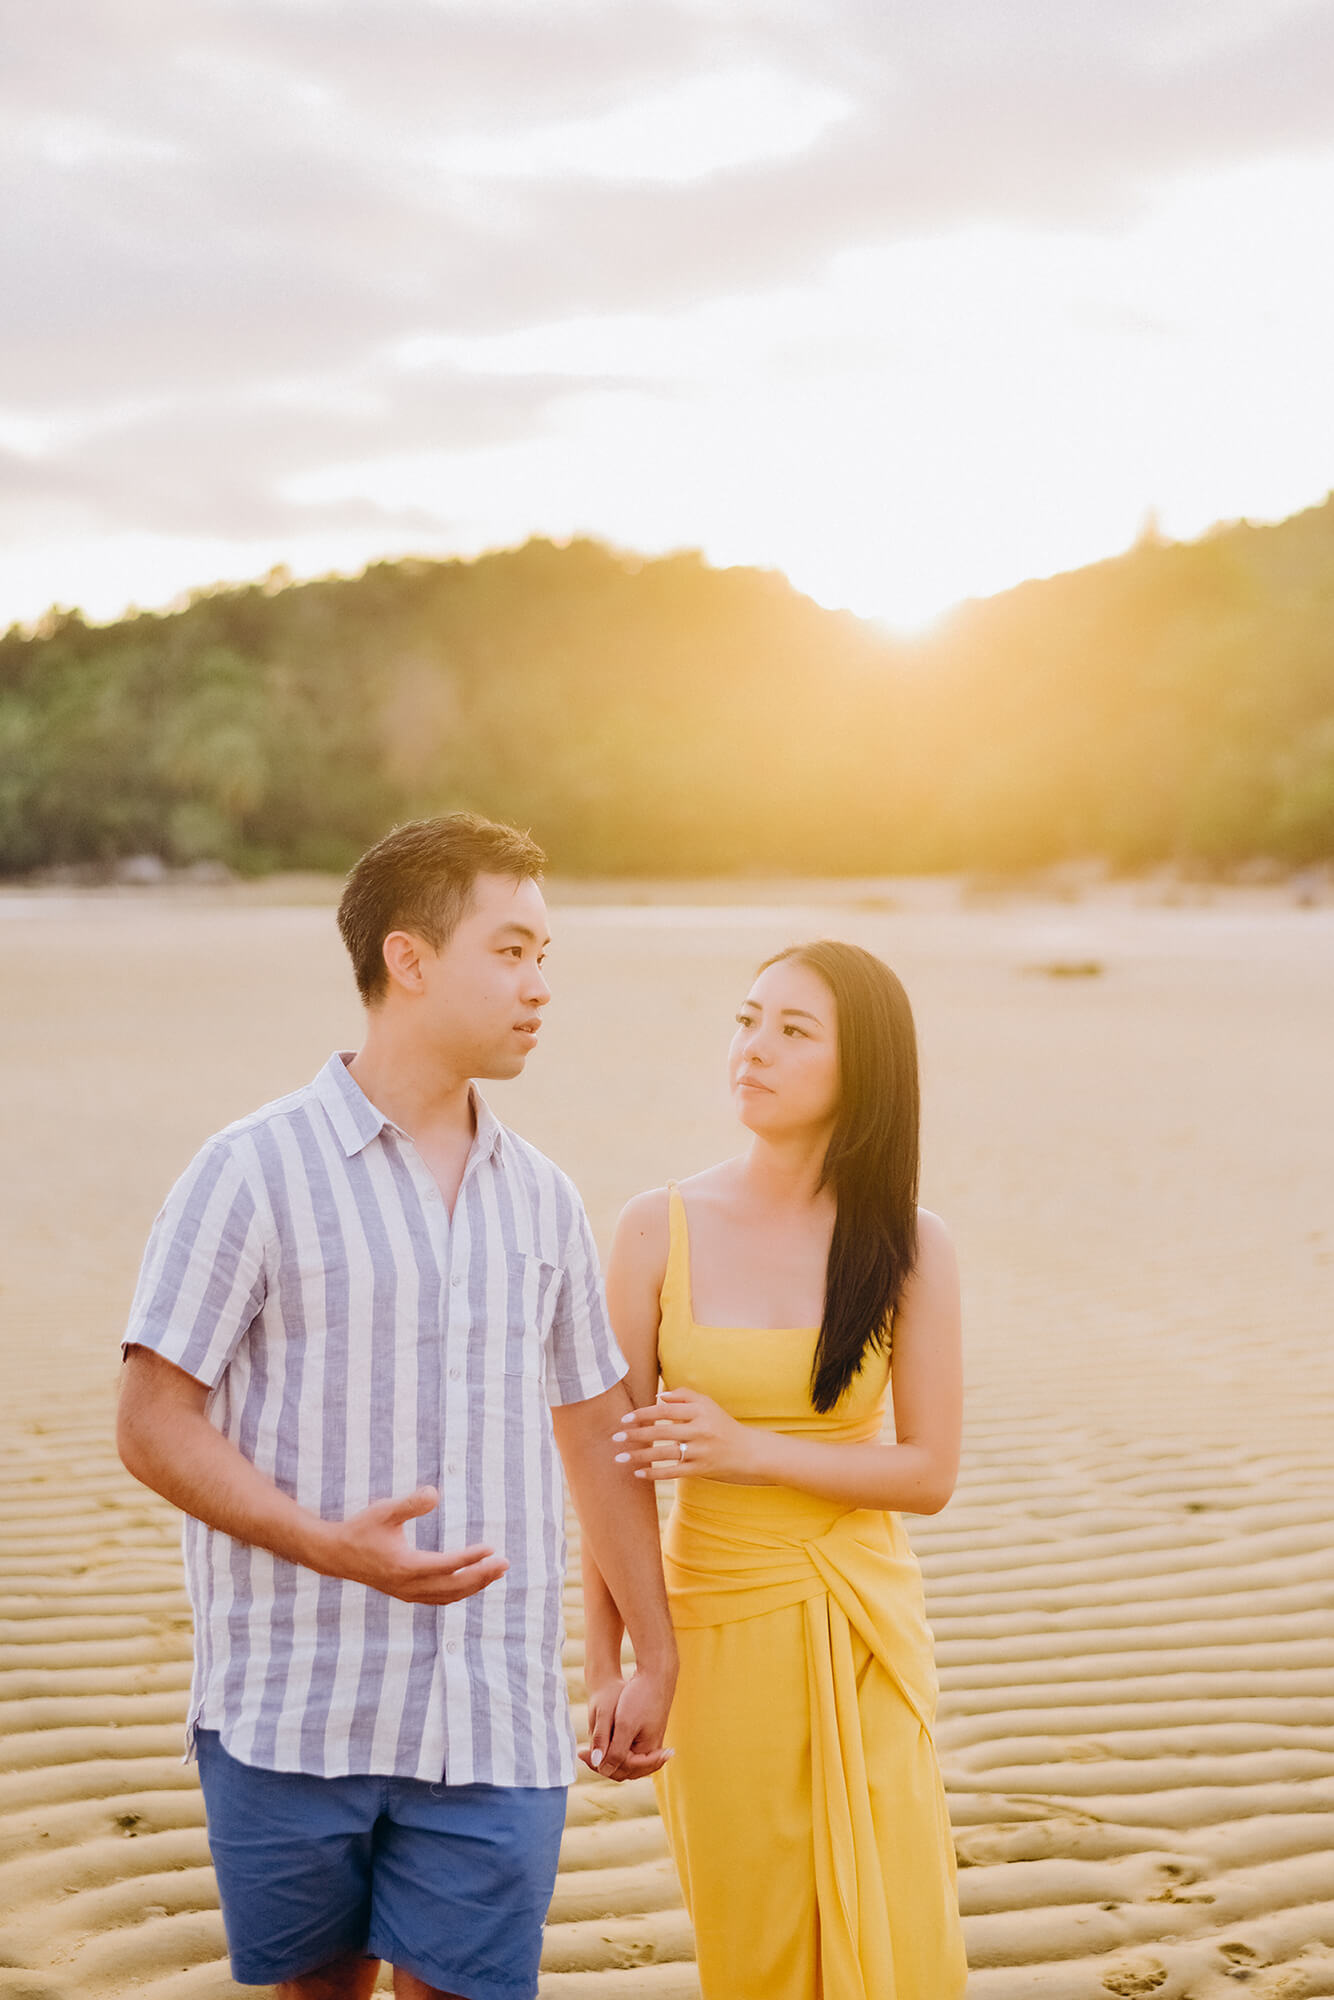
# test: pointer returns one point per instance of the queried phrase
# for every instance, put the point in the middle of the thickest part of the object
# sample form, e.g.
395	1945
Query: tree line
1175	703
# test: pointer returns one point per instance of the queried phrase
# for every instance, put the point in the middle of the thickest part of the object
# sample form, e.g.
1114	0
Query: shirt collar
356	1121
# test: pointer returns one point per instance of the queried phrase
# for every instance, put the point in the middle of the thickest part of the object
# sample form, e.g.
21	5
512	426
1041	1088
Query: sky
910	301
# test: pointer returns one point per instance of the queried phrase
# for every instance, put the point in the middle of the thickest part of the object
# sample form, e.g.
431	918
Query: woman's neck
785	1173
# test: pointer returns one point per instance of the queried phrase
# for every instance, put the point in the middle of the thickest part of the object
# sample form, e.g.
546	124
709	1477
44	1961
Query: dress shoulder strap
676	1278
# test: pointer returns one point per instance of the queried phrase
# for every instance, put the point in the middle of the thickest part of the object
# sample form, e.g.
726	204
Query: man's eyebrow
524	931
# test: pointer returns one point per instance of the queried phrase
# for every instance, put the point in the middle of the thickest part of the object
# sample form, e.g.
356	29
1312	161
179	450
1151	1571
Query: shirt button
456	1280
451	1469
455	1374
451	1645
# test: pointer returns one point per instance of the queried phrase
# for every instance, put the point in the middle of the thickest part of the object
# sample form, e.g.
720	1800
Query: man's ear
403	960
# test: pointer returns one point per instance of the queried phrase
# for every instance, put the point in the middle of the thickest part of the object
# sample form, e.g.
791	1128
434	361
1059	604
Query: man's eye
743	1020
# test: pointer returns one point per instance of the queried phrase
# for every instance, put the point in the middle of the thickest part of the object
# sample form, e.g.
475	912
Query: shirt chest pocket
532	1291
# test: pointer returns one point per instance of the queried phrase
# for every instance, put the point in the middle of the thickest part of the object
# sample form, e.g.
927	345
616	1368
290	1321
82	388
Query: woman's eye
792	1029
743	1020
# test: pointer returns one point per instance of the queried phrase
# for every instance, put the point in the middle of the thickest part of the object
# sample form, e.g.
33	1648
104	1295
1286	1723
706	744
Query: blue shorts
451	1882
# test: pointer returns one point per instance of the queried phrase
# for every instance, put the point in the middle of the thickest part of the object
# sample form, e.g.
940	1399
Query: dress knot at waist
735	1552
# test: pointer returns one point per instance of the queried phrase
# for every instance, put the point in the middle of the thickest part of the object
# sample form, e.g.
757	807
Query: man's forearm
166	1441
189	1462
604	1626
618	1518
626	1546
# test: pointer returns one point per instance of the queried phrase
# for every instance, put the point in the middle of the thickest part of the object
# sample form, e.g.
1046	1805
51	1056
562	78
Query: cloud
206	188
209	189
212	202
227	466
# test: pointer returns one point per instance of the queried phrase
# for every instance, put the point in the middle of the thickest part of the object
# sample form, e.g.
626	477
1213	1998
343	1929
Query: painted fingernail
618	1437
622	1458
595	1758
640	1473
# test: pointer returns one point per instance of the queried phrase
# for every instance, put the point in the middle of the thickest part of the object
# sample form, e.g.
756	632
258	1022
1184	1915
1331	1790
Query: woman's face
783	1063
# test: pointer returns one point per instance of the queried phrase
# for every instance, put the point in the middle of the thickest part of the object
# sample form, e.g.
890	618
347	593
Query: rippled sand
1132	1592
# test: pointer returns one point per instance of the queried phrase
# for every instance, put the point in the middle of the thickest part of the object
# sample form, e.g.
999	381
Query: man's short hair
420	878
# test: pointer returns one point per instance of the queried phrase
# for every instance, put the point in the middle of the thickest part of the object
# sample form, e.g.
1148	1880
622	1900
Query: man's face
483	993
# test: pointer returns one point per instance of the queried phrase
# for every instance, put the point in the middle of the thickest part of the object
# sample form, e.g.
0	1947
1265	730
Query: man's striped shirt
357	1342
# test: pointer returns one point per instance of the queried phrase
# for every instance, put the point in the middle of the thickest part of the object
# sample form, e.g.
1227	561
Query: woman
803	1804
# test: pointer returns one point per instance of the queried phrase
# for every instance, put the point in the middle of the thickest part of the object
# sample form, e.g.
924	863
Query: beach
1129	1128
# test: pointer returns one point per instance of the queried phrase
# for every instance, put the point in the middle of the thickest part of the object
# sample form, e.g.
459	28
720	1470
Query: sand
1132	1591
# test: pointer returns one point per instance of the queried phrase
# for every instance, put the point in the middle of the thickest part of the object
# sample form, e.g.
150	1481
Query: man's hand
626	1720
371	1548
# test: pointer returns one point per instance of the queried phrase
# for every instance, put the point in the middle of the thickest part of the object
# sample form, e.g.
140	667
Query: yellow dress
804	1805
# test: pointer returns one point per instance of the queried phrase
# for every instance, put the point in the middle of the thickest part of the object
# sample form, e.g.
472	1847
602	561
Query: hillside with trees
1175	703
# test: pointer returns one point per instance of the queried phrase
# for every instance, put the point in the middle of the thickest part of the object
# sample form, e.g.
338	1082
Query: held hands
687	1436
371	1548
626	1720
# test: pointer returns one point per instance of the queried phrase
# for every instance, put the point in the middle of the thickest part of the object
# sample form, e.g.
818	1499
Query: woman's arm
915	1475
635	1272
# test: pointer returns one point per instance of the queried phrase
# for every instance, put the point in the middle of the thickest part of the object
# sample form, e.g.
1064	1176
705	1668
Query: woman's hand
688	1436
626	1720
602	1701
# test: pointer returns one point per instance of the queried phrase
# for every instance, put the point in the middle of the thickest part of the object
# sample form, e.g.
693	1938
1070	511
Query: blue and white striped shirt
357	1342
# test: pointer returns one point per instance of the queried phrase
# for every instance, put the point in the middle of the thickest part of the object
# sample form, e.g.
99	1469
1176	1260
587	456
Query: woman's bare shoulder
935	1245
643	1233
713	1186
644	1229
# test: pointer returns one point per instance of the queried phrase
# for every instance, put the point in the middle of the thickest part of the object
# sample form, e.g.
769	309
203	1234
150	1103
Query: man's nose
537	991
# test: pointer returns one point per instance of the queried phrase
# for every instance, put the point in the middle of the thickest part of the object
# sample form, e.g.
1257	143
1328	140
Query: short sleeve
585	1357
202	1280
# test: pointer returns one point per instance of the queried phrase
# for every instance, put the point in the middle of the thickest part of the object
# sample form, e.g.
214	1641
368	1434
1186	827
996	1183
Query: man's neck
411	1086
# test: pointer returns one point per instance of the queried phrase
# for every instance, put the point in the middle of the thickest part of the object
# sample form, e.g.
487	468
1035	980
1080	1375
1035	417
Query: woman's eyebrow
797	1013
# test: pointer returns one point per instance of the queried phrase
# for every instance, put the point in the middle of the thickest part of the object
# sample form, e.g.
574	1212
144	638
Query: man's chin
500	1067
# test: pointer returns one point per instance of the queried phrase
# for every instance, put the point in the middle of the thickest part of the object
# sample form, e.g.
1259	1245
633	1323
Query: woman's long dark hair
872	1161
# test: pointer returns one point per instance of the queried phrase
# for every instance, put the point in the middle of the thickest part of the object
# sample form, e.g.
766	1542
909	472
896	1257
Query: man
365	1315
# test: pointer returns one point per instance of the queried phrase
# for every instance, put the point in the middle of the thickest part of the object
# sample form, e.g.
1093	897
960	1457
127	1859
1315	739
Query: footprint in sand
1240	1962
1175	1877
1144	1975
